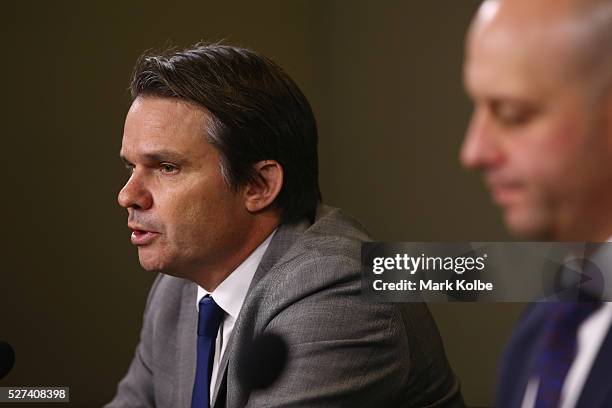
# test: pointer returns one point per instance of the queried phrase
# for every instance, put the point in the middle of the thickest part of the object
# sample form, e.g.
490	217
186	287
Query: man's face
536	133
183	216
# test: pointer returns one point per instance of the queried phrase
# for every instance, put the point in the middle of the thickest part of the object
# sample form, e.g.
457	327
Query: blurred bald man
540	75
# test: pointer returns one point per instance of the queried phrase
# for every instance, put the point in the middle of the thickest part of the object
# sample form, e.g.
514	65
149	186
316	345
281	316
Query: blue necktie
209	319
559	349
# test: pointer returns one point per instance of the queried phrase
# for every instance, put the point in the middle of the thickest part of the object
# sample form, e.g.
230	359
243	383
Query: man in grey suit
223	200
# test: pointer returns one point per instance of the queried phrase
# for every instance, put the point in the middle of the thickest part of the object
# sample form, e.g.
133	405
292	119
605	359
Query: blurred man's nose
480	149
135	194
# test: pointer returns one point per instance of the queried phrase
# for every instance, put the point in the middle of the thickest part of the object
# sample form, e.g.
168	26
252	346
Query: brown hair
257	113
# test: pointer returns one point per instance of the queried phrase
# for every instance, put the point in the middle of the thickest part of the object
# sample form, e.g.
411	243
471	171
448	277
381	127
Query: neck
211	276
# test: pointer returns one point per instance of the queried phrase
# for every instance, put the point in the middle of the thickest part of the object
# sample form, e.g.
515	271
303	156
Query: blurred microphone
263	361
7	358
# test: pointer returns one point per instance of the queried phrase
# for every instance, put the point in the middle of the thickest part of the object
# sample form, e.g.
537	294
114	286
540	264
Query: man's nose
481	148
135	194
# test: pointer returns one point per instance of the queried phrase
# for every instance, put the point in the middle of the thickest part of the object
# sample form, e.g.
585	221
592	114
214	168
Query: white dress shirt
591	335
230	295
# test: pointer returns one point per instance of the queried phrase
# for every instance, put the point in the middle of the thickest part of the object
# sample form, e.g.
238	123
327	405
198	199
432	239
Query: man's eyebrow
157	156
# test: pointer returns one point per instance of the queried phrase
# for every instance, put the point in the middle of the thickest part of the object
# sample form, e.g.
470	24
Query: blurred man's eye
129	168
510	114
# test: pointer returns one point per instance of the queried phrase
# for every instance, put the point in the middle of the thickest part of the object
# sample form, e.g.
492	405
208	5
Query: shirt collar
230	293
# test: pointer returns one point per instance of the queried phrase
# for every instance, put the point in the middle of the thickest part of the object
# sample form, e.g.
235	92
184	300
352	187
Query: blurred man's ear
263	190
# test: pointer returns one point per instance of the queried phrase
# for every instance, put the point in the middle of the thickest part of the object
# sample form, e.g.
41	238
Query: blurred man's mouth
505	192
506	195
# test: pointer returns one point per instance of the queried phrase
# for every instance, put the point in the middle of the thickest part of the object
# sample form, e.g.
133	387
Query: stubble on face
177	189
534	136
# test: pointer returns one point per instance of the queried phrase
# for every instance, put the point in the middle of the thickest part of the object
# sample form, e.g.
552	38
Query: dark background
384	79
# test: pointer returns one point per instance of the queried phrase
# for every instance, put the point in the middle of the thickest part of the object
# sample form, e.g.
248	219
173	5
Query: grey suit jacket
343	351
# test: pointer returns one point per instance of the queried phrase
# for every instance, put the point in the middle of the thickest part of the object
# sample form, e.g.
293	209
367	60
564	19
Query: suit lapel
186	341
222	373
283	239
218	401
597	390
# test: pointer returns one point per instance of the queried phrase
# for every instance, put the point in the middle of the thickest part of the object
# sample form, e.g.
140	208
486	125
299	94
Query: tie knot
209	317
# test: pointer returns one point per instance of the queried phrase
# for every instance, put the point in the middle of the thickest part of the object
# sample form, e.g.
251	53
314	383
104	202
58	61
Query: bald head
573	35
539	73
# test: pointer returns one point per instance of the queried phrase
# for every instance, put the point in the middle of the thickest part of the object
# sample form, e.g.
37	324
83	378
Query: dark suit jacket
344	352
518	361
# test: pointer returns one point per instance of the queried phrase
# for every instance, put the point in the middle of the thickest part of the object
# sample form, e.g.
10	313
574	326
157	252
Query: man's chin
151	267
151	262
159	265
527	225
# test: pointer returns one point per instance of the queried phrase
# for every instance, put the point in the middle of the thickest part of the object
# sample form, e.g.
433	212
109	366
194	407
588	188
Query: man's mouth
505	194
141	237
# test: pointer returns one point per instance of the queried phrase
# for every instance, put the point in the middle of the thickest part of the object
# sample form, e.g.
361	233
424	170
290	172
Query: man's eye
168	168
511	115
129	168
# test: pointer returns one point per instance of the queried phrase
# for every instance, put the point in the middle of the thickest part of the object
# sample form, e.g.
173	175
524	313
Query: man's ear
265	187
